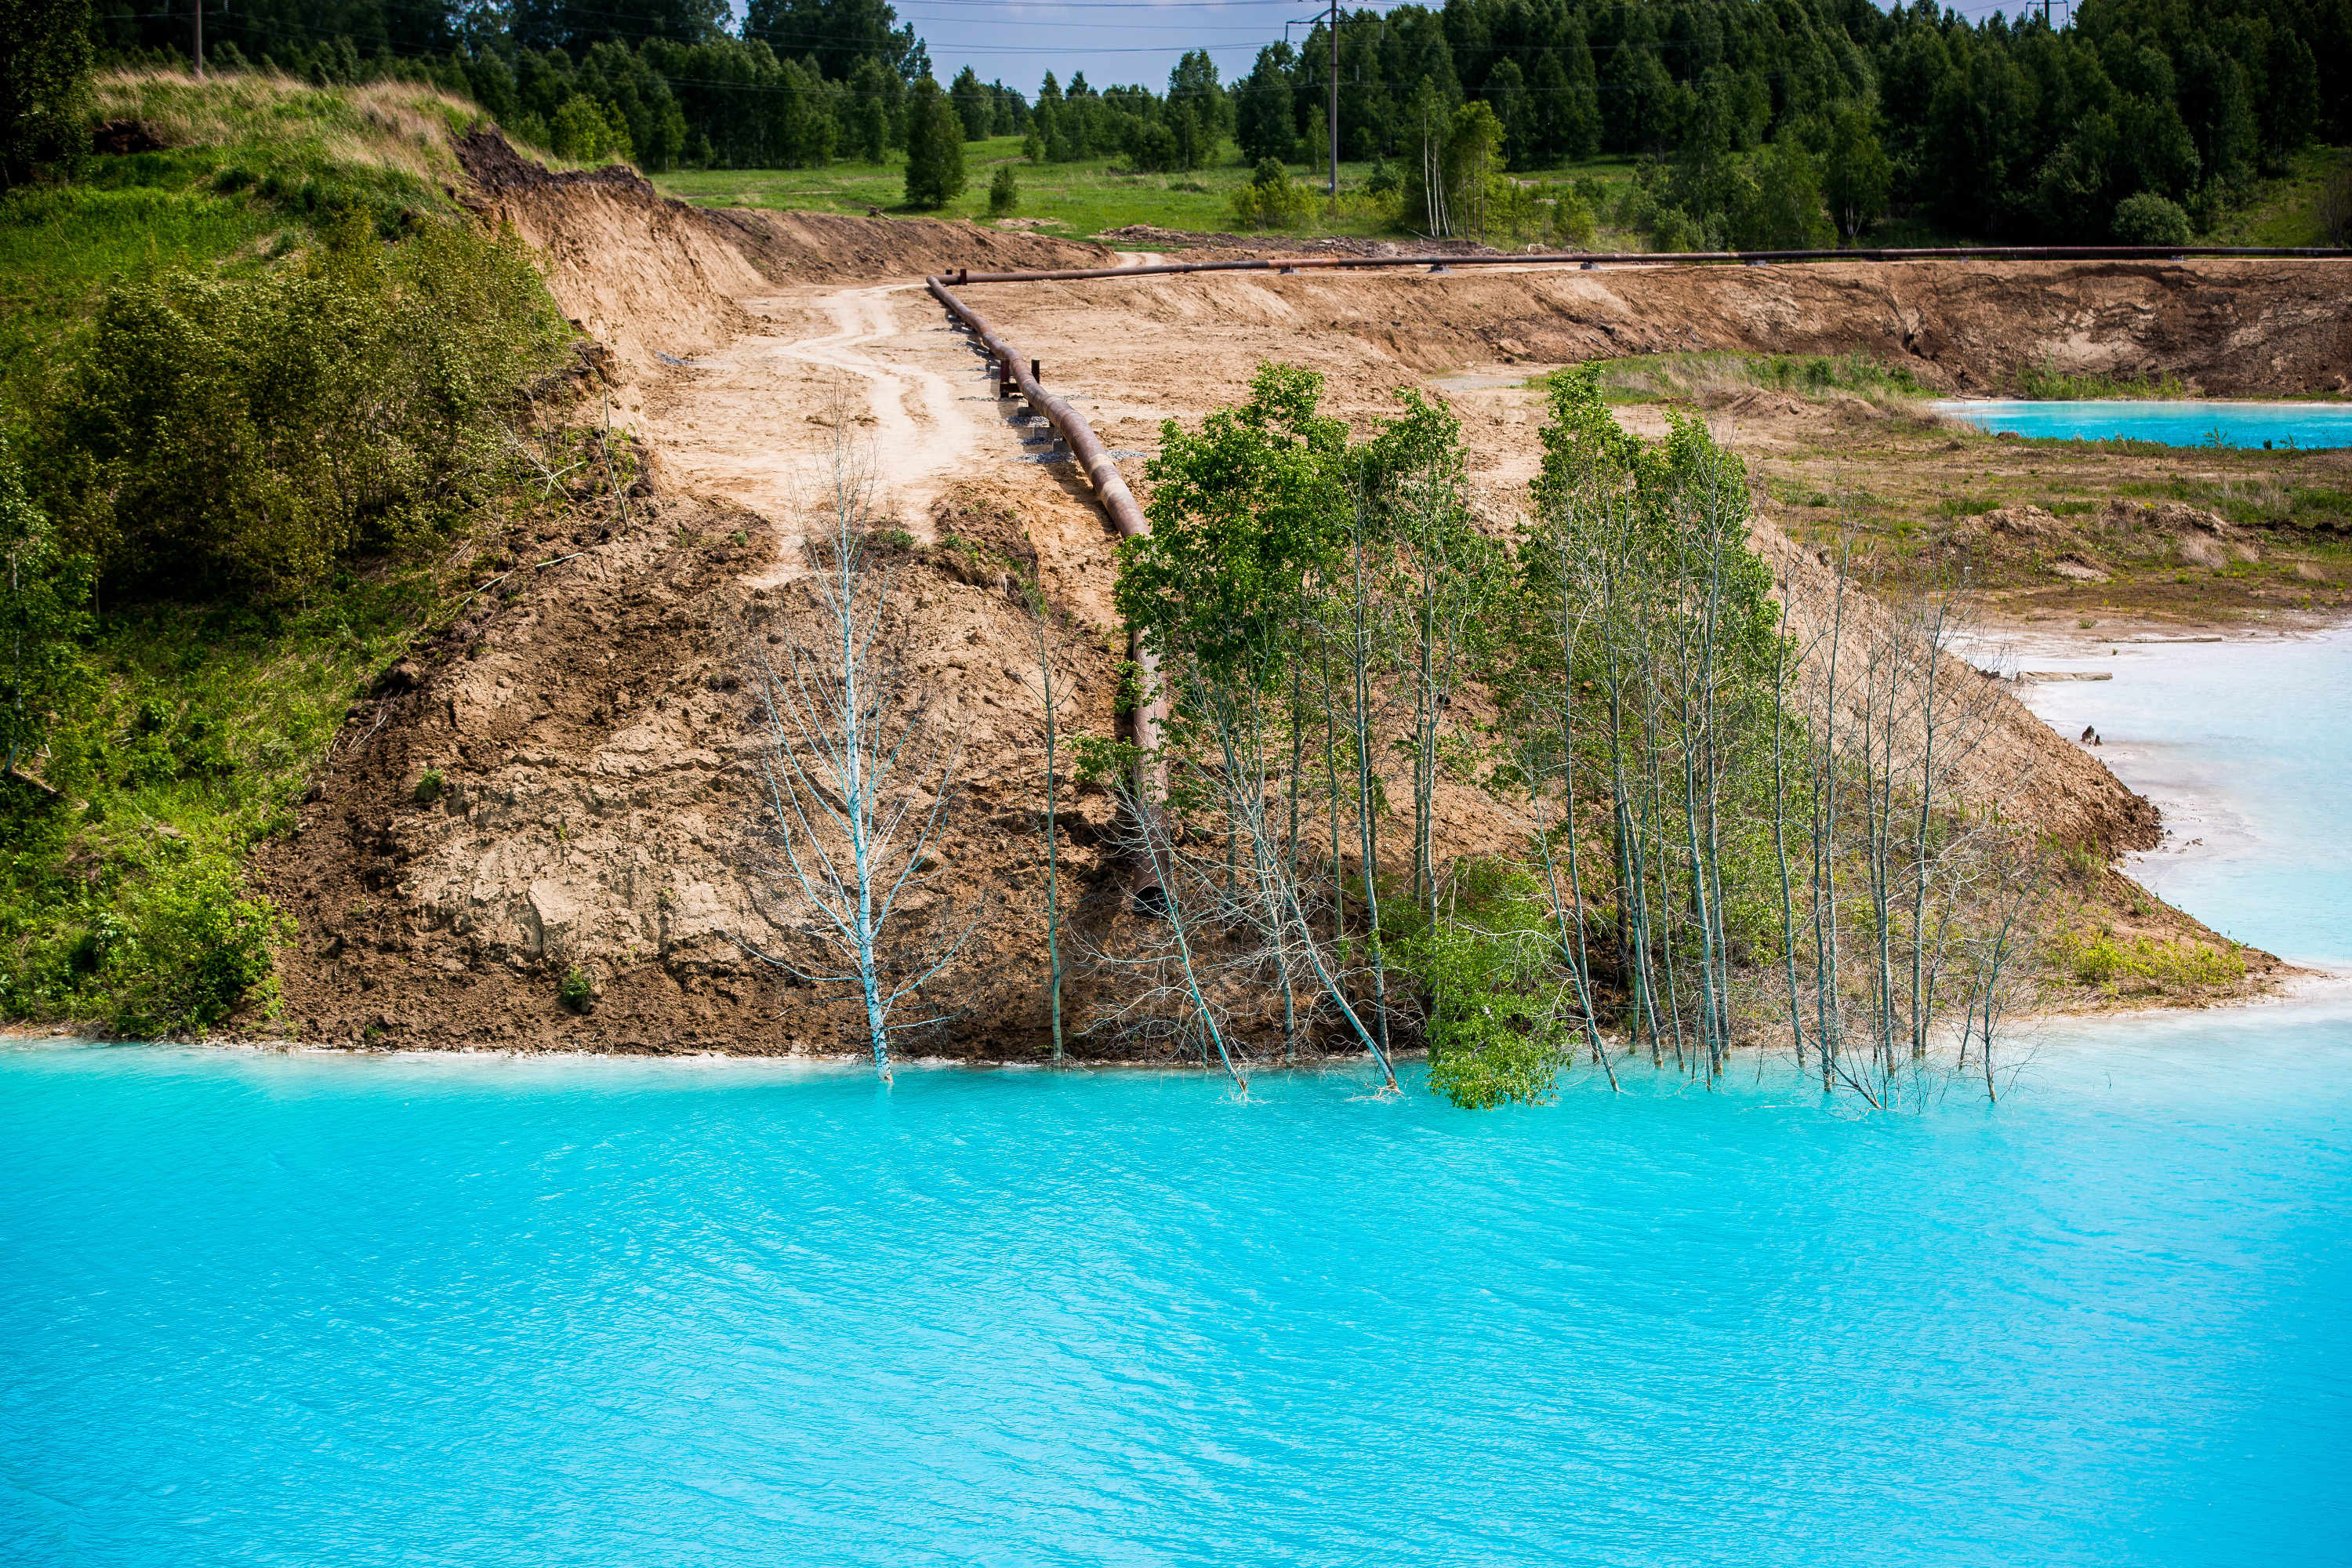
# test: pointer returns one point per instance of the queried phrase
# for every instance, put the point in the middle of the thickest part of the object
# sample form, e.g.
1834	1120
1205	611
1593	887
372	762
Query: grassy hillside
217	350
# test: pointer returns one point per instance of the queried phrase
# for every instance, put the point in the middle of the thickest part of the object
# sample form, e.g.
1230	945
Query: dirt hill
593	734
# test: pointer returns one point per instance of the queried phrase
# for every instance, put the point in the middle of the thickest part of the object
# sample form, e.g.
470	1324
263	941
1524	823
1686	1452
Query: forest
1752	123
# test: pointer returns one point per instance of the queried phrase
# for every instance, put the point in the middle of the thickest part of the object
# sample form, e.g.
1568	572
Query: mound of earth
593	734
2228	328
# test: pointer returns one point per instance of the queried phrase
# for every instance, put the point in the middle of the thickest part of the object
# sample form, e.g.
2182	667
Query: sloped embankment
2231	328
651	276
599	789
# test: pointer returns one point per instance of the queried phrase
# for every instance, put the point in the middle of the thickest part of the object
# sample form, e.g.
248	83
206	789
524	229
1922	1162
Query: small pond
2187	422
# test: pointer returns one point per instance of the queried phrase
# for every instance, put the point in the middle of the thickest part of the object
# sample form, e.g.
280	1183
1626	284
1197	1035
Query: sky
1119	41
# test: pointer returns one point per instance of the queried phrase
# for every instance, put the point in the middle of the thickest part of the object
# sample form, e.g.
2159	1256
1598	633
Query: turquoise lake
2179	424
328	1310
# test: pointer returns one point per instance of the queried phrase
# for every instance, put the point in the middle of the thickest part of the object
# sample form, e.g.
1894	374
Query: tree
838	35
859	769
1242	514
1192	85
1004	192
45	86
1051	633
1265	127
42	593
934	148
871	94
1855	174
974	105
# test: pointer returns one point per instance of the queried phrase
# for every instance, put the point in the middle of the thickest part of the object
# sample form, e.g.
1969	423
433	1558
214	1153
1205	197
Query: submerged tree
860	766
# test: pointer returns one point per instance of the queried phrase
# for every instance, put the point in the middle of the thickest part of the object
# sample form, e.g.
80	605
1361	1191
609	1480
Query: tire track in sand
742	421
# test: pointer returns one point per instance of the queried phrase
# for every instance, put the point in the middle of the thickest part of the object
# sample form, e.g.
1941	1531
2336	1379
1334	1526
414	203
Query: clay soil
595	735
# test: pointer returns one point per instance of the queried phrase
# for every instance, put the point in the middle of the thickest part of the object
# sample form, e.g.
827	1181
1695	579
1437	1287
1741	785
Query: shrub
253	432
1272	199
429	788
1494	1030
1004	192
2150	219
42	593
578	992
2096	959
194	950
1572	222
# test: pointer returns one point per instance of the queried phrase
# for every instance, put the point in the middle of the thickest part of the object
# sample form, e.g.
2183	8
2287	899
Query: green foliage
2150	219
254	433
1680	376
45	87
2045	380
935	174
1496	1025
428	787
1239	512
1004	192
42	620
186	746
2101	959
588	132
1856	178
1272	199
577	991
200	949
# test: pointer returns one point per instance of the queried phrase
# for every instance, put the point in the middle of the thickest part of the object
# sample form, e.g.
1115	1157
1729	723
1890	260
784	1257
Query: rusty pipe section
1101	472
1068	421
1582	259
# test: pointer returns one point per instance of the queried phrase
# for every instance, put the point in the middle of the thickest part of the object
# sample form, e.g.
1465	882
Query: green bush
577	991
1004	192
251	433
1496	1029
2097	959
2150	219
1272	199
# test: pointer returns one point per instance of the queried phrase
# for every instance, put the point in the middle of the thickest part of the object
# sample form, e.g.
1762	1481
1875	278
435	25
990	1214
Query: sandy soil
594	732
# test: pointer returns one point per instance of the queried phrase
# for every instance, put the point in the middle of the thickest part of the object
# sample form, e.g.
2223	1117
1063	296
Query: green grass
2045	381
59	247
1080	200
2285	211
255	164
205	724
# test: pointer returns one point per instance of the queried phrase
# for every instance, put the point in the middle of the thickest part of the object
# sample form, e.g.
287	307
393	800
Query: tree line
1757	121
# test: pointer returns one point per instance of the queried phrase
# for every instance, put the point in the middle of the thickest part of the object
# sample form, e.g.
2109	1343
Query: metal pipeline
1677	258
1101	472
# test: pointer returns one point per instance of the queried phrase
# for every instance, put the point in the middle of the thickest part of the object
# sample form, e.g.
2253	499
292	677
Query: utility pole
197	9
1335	109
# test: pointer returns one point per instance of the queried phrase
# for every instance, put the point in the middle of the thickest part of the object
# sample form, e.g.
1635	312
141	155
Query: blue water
329	1310
305	1309
2184	423
2245	748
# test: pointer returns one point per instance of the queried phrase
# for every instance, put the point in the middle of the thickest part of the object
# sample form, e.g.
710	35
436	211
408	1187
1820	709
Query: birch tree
860	766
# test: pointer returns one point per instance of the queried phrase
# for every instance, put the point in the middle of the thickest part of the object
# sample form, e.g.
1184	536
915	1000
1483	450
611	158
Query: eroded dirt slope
595	735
